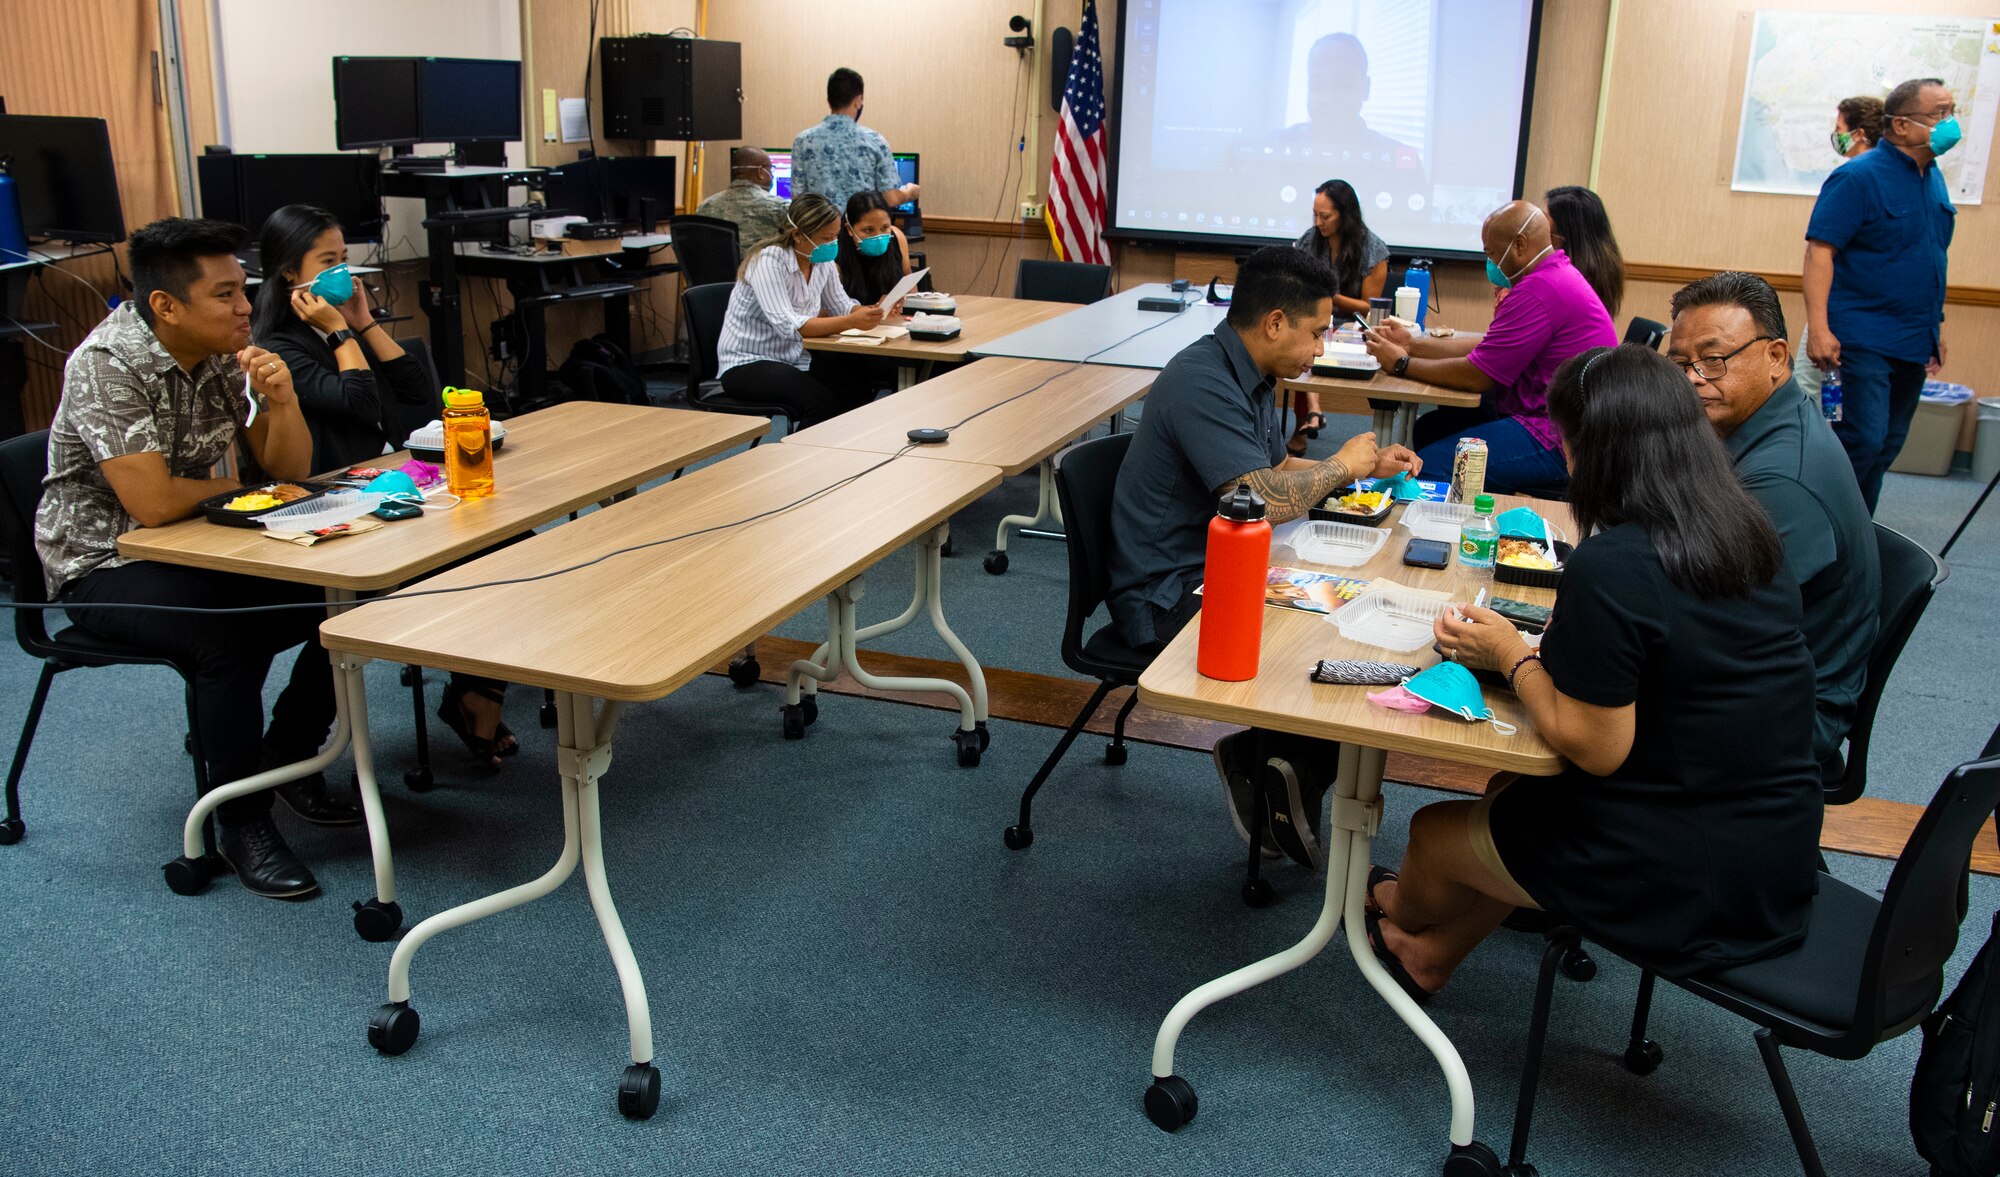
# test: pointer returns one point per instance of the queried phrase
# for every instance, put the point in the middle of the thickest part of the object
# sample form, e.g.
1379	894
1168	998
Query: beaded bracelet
1516	668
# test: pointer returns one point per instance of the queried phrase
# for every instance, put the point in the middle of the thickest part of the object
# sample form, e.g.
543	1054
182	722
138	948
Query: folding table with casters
983	317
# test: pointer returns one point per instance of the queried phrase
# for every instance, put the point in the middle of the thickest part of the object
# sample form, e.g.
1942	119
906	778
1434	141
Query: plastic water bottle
13	238
468	444
1478	539
1232	591
1829	395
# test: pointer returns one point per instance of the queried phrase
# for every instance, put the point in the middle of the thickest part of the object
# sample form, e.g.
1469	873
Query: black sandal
1296	447
1397	972
451	709
1311	424
1378	875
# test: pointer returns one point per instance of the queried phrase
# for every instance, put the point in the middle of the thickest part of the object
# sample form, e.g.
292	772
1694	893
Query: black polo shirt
1210	419
1789	460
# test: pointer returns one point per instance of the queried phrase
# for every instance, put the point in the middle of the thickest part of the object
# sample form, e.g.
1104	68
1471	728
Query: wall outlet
1031	210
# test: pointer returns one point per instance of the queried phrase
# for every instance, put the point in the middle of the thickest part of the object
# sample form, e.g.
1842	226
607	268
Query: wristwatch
1402	365
339	337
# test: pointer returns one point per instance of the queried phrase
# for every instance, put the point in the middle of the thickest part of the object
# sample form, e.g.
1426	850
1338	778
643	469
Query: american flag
1075	211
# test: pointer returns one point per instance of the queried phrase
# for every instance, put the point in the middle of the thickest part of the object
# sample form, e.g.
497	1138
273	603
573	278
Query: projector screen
1229	113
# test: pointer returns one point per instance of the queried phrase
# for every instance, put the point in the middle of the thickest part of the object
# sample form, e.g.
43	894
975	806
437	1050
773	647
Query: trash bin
1986	446
1934	430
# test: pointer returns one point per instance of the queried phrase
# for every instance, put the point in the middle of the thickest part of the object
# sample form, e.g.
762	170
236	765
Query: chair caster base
190	876
995	563
12	830
1524	1169
1018	837
639	1091
1473	1160
1171	1103
419	780
393	1029
1577	965
1257	892
1114	754
792	719
376	921
745	673
969	746
1644	1057
985	737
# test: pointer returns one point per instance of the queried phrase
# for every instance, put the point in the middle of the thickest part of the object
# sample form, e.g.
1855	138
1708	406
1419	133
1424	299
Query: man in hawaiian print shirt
152	400
839	157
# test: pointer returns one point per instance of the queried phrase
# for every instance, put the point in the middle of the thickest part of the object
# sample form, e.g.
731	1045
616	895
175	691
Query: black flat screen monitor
576	190
632	178
247	189
375	102
466	100
65	179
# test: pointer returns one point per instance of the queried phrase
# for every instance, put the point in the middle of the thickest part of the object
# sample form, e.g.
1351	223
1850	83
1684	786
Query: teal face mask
874	246
824	253
1498	276
335	284
1452	687
1522	523
1946	135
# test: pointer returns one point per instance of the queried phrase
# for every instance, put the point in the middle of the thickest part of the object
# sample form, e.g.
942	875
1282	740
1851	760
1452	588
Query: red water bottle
1232	594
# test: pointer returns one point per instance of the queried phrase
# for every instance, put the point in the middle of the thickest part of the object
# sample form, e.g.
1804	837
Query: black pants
835	384
230	655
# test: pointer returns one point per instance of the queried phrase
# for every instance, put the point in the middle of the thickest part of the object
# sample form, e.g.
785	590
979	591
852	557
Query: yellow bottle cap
463	398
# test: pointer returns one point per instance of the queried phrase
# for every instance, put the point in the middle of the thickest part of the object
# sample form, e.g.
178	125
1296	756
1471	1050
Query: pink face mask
422	473
1399	698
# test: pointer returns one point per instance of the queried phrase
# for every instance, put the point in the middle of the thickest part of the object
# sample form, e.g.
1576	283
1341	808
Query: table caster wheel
376	921
394	1027
968	748
1019	837
189	876
1577	965
11	831
809	707
1257	892
1472	1160
1170	1103
745	673
1643	1058
995	562
639	1091
419	780
1114	754
547	714
792	718
985	737
1524	1169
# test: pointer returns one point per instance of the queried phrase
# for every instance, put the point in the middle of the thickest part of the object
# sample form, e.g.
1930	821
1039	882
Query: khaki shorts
1479	829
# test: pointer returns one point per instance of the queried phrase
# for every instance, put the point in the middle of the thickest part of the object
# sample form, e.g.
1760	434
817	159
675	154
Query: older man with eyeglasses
1729	337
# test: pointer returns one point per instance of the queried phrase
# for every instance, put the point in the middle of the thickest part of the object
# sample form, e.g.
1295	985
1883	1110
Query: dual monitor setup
781	174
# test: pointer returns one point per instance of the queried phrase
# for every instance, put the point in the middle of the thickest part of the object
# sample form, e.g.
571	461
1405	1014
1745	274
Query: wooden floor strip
1871	827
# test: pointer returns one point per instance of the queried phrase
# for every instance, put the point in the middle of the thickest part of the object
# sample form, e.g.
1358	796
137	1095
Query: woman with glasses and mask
351	375
1674	681
788	291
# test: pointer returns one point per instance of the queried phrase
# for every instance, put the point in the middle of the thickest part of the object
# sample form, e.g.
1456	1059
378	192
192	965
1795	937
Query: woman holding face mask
351	375
789	291
874	254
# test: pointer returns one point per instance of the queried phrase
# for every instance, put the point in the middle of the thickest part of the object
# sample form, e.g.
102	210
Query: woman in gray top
1360	260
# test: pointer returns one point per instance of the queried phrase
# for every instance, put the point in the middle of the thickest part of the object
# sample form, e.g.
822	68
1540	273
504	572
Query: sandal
1377	875
1311	424
1397	972
1296	447
451	709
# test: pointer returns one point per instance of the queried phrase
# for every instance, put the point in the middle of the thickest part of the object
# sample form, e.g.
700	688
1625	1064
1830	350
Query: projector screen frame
1242	244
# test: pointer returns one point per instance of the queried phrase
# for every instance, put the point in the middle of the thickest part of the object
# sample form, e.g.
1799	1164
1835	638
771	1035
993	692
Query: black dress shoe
256	851
308	798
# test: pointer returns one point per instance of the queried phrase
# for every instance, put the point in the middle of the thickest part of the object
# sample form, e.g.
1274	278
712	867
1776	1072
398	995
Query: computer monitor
906	171
781	171
468	100
375	102
247	189
630	179
576	189
64	176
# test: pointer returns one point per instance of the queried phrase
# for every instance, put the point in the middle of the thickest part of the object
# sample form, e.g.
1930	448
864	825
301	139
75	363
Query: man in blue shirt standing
1874	275
838	156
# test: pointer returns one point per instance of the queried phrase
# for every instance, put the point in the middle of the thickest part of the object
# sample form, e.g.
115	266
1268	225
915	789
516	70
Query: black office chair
709	248
1910	577
1646	332
1061	281
1085	475
1868	971
401	420
704	308
23	466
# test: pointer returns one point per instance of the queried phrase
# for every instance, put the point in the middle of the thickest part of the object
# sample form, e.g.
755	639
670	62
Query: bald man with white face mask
1550	314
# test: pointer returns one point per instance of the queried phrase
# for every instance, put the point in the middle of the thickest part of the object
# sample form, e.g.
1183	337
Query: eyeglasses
1712	367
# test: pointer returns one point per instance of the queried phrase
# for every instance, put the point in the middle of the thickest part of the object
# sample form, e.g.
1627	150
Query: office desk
985	318
1391	400
554	462
1114	331
1282	697
1065	401
539	280
641	624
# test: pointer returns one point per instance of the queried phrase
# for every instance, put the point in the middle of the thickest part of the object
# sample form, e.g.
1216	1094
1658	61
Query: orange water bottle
1232	592
468	444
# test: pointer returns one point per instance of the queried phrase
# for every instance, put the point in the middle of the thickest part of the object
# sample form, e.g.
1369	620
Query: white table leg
1048	510
377	918
1383	419
1406	424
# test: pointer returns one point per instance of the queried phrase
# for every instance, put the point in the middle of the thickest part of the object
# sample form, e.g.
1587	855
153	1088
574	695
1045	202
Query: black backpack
599	370
1955	1095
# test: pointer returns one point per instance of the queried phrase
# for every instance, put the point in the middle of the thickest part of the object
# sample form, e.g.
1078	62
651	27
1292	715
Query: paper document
908	284
575	120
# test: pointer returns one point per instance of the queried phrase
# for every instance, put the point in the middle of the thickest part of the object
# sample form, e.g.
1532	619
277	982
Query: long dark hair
1350	241
1641	452
287	237
867	279
1579	217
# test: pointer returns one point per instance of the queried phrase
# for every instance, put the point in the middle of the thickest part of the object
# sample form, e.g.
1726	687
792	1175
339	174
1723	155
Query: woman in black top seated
1674	680
351	377
874	255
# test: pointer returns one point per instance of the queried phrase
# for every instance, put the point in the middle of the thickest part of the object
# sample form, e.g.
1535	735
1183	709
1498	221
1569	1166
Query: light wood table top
553	462
985	317
1014	436
1282	696
1353	395
642	623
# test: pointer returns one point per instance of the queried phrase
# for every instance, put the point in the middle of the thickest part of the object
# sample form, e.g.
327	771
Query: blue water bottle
1829	395
1419	276
13	238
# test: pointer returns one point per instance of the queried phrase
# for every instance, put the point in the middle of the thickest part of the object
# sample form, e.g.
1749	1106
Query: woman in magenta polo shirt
1550	314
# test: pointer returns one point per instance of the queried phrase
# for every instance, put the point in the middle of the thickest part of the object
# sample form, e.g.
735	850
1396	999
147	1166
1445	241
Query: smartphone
394	511
1427	553
1531	618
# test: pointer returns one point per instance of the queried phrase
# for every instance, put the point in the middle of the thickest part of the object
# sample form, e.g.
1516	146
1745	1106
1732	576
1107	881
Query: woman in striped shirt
787	292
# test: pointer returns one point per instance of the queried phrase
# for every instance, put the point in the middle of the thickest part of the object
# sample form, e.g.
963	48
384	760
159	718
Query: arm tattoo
1289	494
